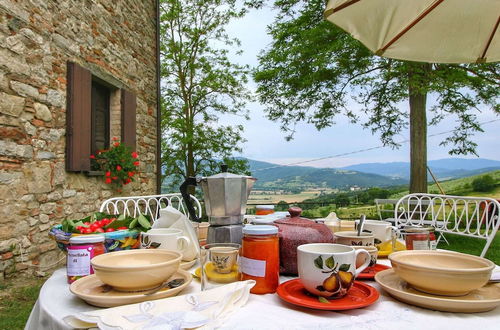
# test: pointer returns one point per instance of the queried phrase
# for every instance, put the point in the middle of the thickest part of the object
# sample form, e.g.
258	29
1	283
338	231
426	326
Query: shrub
484	183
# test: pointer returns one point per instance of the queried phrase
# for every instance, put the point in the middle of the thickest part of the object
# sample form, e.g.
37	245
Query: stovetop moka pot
225	196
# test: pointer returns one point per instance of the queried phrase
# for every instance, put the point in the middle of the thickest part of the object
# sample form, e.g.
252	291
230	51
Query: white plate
480	300
92	290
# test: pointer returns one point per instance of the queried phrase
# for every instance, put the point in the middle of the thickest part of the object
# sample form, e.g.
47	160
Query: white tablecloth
270	312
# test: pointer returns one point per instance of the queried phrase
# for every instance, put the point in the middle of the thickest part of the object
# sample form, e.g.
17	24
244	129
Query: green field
462	187
273	197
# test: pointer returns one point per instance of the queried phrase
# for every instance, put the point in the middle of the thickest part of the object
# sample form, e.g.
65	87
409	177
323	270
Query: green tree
342	200
282	206
198	84
484	183
313	71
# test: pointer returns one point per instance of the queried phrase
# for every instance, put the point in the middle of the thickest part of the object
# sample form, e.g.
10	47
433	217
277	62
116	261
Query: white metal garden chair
147	205
477	217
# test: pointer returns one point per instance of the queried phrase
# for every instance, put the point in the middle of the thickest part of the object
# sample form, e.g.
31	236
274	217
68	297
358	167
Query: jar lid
265	207
260	230
82	239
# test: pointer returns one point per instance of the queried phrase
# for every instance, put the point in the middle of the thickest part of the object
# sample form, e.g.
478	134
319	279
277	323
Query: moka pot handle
190	181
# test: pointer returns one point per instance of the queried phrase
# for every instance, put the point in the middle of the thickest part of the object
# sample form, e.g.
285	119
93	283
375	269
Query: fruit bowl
114	241
136	270
442	272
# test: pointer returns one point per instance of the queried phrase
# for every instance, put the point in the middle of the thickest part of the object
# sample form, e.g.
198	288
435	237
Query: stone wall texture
114	39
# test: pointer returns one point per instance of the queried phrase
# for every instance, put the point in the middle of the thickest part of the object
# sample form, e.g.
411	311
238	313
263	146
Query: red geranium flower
92	157
115	138
108	180
116	144
136	163
108	173
118	168
134	154
114	178
131	174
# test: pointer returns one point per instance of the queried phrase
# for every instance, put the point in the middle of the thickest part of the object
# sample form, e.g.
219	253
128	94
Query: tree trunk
418	129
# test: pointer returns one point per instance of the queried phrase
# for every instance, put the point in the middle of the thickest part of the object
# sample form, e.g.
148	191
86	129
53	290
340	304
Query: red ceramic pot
295	231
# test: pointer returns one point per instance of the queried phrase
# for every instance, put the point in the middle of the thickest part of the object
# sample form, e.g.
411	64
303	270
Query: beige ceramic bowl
135	270
441	272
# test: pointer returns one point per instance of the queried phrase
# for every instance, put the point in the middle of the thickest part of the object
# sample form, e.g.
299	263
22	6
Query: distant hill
443	169
272	176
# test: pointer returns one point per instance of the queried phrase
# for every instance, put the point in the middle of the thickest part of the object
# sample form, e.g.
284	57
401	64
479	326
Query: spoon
169	285
361	223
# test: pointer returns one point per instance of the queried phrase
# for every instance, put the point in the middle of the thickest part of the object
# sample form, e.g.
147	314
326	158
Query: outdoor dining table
270	312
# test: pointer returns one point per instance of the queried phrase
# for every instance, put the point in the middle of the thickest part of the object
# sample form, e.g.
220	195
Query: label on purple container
79	260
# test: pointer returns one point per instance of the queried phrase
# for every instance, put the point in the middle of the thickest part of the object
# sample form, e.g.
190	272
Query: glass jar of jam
81	249
416	238
259	259
264	209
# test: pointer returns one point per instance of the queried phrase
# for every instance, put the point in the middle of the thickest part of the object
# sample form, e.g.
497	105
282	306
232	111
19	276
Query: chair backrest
147	205
477	217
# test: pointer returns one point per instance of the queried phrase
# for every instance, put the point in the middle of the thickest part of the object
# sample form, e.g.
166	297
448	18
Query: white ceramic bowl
442	272
352	238
135	270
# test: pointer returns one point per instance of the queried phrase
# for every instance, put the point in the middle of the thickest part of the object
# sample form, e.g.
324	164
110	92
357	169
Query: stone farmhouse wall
115	40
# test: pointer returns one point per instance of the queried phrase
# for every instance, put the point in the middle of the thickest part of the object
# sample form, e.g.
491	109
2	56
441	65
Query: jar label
78	262
253	267
421	245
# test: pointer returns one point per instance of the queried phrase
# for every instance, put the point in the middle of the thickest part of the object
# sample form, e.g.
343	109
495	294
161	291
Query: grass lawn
472	246
16	303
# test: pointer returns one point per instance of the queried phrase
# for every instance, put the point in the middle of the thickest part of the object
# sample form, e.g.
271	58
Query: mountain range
273	176
443	169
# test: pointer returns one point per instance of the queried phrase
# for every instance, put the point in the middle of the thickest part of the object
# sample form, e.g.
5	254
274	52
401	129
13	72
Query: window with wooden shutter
96	109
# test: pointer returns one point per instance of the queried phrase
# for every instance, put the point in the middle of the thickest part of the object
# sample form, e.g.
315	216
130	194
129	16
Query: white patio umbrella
435	31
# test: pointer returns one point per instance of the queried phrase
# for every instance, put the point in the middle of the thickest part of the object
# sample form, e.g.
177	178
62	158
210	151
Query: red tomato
87	231
122	228
110	230
82	231
86	223
94	226
99	230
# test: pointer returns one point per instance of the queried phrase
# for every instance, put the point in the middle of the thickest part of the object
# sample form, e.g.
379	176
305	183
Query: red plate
360	295
369	273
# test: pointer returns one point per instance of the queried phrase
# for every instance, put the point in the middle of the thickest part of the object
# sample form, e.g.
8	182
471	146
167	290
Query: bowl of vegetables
121	232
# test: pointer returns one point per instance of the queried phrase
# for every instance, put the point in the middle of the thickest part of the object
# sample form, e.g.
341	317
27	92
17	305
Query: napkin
204	310
170	217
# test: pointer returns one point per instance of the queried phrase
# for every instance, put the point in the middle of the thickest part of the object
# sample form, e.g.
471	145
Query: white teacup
381	230
328	270
165	238
223	258
352	238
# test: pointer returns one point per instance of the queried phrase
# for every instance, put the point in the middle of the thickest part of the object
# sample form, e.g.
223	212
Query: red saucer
360	295
369	273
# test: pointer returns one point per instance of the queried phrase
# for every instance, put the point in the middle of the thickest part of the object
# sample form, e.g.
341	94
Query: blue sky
266	142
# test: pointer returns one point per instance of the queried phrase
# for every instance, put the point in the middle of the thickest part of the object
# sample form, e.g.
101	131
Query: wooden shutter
78	118
128	111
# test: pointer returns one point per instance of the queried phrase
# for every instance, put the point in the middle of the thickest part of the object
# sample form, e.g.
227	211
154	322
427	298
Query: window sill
94	173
